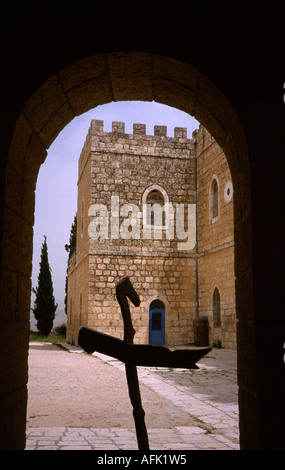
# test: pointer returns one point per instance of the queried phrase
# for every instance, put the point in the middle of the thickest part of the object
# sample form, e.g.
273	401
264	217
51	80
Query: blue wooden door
157	323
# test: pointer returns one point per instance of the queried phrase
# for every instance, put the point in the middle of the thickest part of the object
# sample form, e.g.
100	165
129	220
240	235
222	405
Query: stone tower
141	200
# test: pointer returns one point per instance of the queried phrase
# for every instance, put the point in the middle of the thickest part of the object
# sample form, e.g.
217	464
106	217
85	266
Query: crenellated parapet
138	143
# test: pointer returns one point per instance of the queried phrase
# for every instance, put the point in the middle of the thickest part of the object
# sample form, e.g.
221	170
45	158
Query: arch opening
157	322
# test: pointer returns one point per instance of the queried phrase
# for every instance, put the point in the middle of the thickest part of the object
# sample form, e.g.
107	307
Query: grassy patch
51	338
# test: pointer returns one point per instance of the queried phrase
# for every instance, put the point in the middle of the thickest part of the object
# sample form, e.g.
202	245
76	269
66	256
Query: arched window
155	215
155	203
216	308
214	199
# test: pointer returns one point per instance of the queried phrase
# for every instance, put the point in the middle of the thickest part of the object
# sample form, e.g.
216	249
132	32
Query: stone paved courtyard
185	409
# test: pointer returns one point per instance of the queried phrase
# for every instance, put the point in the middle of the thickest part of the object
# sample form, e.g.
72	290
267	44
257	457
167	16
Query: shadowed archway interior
218	82
81	87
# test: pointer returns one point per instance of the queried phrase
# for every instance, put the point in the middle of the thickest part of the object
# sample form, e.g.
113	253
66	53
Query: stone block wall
215	239
78	287
166	279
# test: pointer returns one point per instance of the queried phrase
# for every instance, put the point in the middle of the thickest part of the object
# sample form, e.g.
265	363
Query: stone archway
72	91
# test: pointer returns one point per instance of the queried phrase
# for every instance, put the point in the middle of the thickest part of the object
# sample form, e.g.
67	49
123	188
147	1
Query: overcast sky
56	192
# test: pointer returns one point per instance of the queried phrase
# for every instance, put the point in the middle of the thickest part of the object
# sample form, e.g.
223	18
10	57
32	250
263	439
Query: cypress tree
44	306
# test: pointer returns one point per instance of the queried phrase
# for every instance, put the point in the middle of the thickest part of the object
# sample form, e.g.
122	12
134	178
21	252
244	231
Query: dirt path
77	390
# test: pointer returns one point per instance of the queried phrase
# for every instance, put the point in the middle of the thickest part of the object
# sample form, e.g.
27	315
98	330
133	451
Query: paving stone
78	447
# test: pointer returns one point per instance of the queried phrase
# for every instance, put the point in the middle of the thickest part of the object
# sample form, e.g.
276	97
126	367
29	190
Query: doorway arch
64	95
